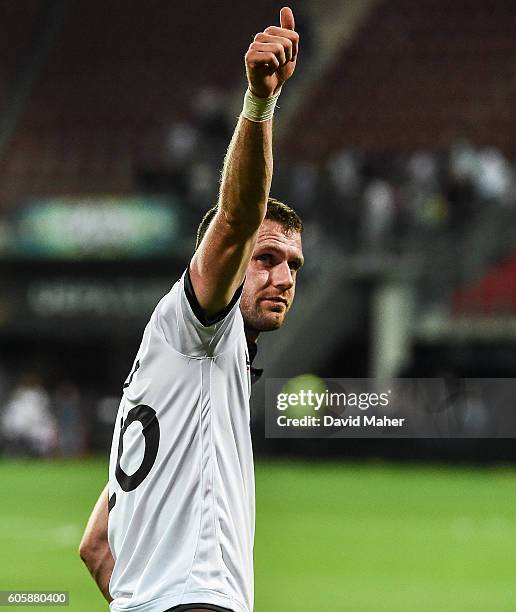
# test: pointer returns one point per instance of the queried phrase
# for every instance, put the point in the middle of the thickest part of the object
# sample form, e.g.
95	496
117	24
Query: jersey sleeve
180	319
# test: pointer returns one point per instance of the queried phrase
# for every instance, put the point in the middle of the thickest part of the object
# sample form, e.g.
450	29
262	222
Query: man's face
270	281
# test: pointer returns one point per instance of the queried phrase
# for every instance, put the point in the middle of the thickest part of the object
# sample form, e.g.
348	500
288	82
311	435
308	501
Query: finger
287	18
290	34
276	48
286	42
267	60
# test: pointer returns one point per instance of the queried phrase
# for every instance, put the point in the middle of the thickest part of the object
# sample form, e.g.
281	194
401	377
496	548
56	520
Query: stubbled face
270	281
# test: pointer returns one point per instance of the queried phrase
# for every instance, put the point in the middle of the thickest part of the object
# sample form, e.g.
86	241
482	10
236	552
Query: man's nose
283	278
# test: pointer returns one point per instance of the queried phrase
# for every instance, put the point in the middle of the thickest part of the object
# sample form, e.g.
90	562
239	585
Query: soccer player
174	527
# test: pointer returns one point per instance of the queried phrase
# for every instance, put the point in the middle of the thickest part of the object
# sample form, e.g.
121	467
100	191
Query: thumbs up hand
271	57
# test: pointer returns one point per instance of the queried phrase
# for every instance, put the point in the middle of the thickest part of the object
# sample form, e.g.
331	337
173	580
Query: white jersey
181	476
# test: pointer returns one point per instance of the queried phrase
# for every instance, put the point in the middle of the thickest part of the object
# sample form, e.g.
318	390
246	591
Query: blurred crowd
65	419
364	203
36	423
382	204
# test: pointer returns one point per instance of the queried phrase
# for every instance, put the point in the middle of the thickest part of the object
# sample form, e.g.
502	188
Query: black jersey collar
256	373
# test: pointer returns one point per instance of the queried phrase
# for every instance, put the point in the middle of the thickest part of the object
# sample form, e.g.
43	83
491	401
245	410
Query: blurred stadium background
396	141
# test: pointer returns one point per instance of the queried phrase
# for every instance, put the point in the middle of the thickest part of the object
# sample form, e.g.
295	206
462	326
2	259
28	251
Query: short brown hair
276	211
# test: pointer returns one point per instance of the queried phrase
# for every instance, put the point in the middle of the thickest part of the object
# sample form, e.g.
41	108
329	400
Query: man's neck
251	334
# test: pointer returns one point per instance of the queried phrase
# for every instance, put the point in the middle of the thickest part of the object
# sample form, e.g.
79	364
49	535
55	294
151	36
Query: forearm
100	565
247	174
94	547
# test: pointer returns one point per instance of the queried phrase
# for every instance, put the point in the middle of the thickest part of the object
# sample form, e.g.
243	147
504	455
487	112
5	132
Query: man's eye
266	258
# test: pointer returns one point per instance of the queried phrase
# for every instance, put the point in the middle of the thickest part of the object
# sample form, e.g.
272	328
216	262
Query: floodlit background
396	141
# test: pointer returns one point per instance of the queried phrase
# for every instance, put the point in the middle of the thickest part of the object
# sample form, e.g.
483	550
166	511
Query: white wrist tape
259	109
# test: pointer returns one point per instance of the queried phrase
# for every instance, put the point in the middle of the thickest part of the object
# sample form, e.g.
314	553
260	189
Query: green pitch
330	537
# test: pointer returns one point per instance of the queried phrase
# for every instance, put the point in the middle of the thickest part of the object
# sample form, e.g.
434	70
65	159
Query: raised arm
94	548
219	264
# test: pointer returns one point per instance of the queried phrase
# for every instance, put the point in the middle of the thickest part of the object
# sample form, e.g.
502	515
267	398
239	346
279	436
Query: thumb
287	18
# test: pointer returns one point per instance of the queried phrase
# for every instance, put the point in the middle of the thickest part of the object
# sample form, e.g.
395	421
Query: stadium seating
116	78
417	75
494	293
17	25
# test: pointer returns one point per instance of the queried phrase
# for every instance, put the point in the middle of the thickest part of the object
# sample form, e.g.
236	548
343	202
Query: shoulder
182	323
